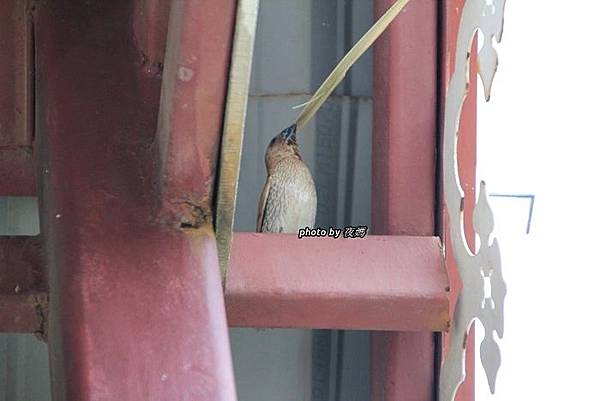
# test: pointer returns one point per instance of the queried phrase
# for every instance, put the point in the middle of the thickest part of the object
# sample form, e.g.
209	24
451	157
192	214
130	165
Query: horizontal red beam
23	313
23	285
376	283
17	172
276	280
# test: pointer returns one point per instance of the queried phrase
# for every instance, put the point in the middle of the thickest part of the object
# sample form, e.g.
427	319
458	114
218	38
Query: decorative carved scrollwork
483	268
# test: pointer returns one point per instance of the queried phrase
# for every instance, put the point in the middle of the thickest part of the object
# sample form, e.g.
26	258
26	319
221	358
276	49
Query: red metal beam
17	173
23	285
377	283
404	179
150	22
15	69
405	121
317	283
23	313
136	303
191	108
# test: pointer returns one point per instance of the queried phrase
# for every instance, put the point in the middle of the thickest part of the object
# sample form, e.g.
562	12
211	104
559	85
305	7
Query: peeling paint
197	217
40	303
185	74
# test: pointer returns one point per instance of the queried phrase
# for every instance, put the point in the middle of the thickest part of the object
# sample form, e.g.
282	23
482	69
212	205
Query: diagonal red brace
136	304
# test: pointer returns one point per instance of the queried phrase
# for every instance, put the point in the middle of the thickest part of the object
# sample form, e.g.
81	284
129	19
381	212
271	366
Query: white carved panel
480	271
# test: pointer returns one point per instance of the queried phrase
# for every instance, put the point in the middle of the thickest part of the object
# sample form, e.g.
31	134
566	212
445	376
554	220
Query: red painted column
136	303
404	179
17	173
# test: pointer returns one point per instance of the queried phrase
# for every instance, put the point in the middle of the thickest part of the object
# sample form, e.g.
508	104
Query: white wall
540	134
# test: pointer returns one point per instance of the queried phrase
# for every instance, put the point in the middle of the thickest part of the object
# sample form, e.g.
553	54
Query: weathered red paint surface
317	283
383	283
405	121
150	22
23	284
15	72
22	313
17	173
404	179
192	104
136	303
467	155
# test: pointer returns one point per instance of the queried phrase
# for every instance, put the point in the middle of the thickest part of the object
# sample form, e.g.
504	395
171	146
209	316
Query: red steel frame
143	318
404	179
23	285
383	283
136	306
406	123
17	175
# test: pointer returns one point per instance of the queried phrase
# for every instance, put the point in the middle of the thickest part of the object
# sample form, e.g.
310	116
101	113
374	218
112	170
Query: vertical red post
136	304
17	173
15	31
404	179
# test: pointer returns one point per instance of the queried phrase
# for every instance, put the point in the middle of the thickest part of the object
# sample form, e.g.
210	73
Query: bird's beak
290	133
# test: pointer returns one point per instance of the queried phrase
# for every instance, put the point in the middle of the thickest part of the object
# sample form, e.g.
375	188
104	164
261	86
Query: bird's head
282	146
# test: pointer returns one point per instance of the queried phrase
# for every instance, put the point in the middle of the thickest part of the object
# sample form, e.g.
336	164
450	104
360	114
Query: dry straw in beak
339	72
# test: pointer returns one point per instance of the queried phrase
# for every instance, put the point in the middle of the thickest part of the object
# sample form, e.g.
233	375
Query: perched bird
288	201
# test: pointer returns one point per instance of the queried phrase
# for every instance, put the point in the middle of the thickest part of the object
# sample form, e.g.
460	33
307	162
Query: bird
288	201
